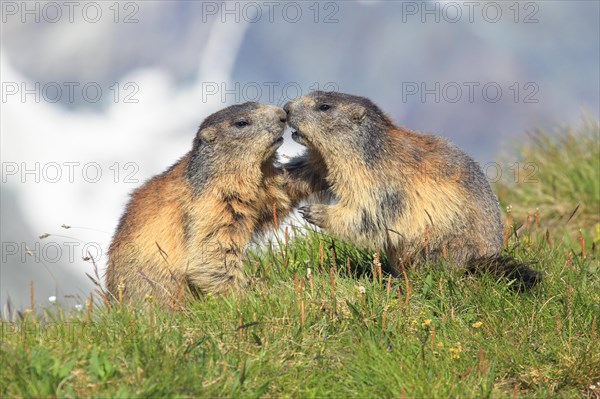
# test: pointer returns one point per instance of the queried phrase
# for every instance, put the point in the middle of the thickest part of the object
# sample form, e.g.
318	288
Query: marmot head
331	122
234	139
251	130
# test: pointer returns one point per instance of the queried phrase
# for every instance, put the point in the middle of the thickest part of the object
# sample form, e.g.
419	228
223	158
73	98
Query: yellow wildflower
455	351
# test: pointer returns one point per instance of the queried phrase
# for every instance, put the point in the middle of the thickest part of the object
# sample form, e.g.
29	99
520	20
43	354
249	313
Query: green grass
557	173
438	334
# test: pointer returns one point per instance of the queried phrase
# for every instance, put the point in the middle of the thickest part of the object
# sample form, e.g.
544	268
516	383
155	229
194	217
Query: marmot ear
357	113
208	134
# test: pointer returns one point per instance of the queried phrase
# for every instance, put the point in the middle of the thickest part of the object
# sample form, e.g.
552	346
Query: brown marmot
413	194
185	230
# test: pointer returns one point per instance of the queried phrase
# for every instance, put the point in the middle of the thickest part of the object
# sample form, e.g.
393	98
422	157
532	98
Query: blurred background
97	97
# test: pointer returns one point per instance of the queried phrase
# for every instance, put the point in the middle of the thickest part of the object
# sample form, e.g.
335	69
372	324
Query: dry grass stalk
333	299
374	272
377	266
120	293
509	223
481	366
31	296
569	305
406	282
332	281
89	307
302	303
296	286
283	257
275	221
321	255
426	242
105	299
333	260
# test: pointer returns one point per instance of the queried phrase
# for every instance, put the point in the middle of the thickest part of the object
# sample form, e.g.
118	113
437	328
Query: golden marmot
413	194
185	230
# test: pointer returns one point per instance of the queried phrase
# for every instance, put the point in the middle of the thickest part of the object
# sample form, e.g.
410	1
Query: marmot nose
286	108
282	116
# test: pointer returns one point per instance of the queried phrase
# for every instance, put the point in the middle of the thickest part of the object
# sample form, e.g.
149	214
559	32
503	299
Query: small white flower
308	272
52	299
361	289
79	307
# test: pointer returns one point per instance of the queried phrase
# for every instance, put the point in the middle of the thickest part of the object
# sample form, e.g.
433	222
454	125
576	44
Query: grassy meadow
322	320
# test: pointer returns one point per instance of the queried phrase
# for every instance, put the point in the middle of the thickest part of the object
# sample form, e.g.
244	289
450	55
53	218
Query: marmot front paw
314	214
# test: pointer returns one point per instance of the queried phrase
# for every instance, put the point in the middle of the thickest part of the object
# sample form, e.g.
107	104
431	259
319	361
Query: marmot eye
241	123
324	107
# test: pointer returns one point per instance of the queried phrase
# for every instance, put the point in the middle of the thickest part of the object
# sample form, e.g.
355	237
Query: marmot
413	194
185	230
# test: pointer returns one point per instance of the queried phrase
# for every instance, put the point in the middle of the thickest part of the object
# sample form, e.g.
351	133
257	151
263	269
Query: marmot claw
311	214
